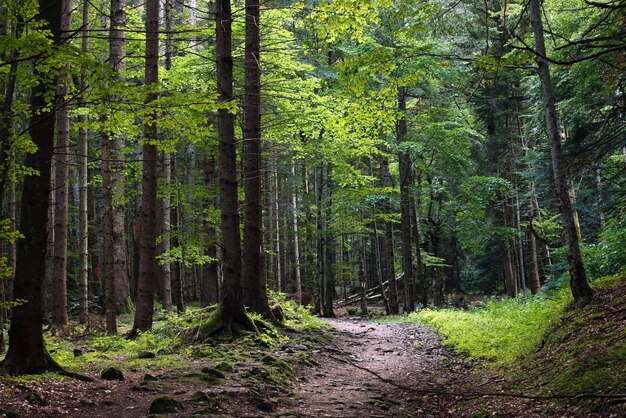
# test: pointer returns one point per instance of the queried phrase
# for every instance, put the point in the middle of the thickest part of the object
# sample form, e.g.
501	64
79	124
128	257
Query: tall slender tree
582	292
59	315
147	236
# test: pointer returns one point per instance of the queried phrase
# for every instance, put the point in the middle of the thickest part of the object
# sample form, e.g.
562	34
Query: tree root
474	394
220	322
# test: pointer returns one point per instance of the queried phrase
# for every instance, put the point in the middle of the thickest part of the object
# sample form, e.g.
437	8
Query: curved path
378	370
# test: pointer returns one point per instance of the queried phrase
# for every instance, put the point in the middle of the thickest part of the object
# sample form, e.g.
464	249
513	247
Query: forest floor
357	368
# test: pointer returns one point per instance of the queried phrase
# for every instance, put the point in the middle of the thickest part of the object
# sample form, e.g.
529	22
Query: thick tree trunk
147	246
582	292
232	302
254	280
27	353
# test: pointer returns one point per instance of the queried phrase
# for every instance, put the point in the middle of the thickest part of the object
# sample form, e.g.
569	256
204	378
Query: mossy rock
165	405
224	366
112	373
213	372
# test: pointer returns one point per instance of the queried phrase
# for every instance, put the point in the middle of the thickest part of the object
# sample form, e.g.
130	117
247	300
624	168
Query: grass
543	344
499	331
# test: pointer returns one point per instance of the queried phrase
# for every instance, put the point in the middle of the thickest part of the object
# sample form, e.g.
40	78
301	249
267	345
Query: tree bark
83	143
254	280
296	239
58	315
389	270
582	292
27	353
117	55
147	243
405	207
232	301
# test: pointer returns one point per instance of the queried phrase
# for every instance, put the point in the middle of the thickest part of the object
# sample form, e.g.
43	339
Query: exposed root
220	322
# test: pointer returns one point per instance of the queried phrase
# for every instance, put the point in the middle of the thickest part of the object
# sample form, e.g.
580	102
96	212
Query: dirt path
363	374
365	370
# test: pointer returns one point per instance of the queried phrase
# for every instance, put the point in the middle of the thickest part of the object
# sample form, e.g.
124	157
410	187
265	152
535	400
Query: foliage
608	255
296	316
499	331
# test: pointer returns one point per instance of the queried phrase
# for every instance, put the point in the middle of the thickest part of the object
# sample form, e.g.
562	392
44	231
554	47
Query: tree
62	152
232	310
27	352
147	236
253	276
579	285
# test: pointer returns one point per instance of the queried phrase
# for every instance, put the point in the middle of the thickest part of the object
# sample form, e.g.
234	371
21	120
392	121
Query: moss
224	366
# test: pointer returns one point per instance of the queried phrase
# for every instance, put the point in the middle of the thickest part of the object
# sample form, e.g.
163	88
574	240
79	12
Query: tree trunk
328	255
166	214
582	292
279	271
232	301
58	315
389	270
209	291
296	239
405	206
27	353
117	54
254	280
147	246
83	181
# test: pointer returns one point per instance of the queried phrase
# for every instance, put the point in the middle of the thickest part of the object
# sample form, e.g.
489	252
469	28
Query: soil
364	369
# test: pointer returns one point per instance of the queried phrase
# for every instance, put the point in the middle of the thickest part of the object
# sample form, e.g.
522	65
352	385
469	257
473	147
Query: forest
195	184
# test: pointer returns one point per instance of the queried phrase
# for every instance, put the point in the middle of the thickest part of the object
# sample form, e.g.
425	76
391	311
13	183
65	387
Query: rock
146	354
165	405
35	399
148	377
87	402
263	404
112	373
200	396
213	372
301	347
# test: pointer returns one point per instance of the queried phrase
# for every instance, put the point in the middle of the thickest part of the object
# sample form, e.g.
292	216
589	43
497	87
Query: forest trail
362	369
380	370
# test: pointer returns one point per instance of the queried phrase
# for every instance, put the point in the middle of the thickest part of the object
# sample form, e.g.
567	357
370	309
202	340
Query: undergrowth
171	344
498	331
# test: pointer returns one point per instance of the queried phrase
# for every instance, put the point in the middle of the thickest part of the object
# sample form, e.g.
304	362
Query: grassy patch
499	331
